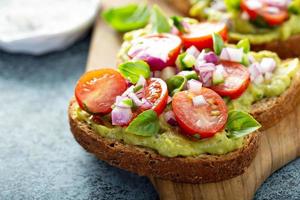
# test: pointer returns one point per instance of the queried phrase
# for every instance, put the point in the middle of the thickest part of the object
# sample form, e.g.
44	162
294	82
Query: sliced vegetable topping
203	119
236	80
200	34
158	50
96	91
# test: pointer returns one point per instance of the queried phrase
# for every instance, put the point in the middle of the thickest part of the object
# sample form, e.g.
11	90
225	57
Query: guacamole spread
168	142
275	86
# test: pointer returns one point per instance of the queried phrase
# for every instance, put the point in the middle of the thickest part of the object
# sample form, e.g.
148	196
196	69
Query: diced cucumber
217	77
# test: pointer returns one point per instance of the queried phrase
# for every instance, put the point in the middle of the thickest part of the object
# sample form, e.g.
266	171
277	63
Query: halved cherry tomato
200	35
96	90
274	18
271	14
204	120
158	50
156	92
237	79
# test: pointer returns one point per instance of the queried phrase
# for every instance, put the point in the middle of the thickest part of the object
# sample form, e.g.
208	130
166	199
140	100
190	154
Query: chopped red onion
194	85
121	116
267	65
251	59
204	66
259	79
146	104
211	57
254	71
174	30
193	51
129	90
120	102
205	74
141	81
135	99
199	100
200	57
170	118
232	54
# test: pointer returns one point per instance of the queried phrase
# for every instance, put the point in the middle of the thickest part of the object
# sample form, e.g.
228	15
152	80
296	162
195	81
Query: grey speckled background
39	159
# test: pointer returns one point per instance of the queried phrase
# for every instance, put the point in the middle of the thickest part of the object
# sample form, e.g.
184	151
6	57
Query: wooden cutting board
279	144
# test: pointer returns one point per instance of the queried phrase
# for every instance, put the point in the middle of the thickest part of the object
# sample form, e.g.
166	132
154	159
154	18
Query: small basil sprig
160	23
145	124
177	21
127	18
218	43
176	84
294	7
132	70
244	44
240	123
232	5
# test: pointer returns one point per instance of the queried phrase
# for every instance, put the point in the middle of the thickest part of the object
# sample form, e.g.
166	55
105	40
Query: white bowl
69	23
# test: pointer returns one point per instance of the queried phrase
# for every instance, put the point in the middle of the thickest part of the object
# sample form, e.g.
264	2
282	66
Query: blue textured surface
39	159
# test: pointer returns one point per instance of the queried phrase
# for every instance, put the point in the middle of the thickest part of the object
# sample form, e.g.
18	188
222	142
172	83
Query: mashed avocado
242	28
168	142
279	82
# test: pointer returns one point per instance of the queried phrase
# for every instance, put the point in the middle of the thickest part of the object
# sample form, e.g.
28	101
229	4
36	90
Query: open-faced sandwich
268	24
178	105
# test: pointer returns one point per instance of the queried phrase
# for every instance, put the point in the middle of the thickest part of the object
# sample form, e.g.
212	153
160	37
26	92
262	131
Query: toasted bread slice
146	162
289	48
270	111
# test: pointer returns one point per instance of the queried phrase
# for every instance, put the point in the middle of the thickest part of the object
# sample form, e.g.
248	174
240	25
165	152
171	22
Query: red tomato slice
158	50
271	14
273	19
96	90
204	120
200	35
237	79
157	93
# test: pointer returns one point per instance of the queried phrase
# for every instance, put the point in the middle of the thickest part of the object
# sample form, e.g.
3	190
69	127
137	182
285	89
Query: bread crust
270	111
289	48
146	162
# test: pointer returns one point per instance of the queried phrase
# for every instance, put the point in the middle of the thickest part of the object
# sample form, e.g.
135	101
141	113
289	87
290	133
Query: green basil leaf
177	21
160	23
145	124
132	70
218	43
232	5
127	18
294	7
176	84
245	44
240	123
